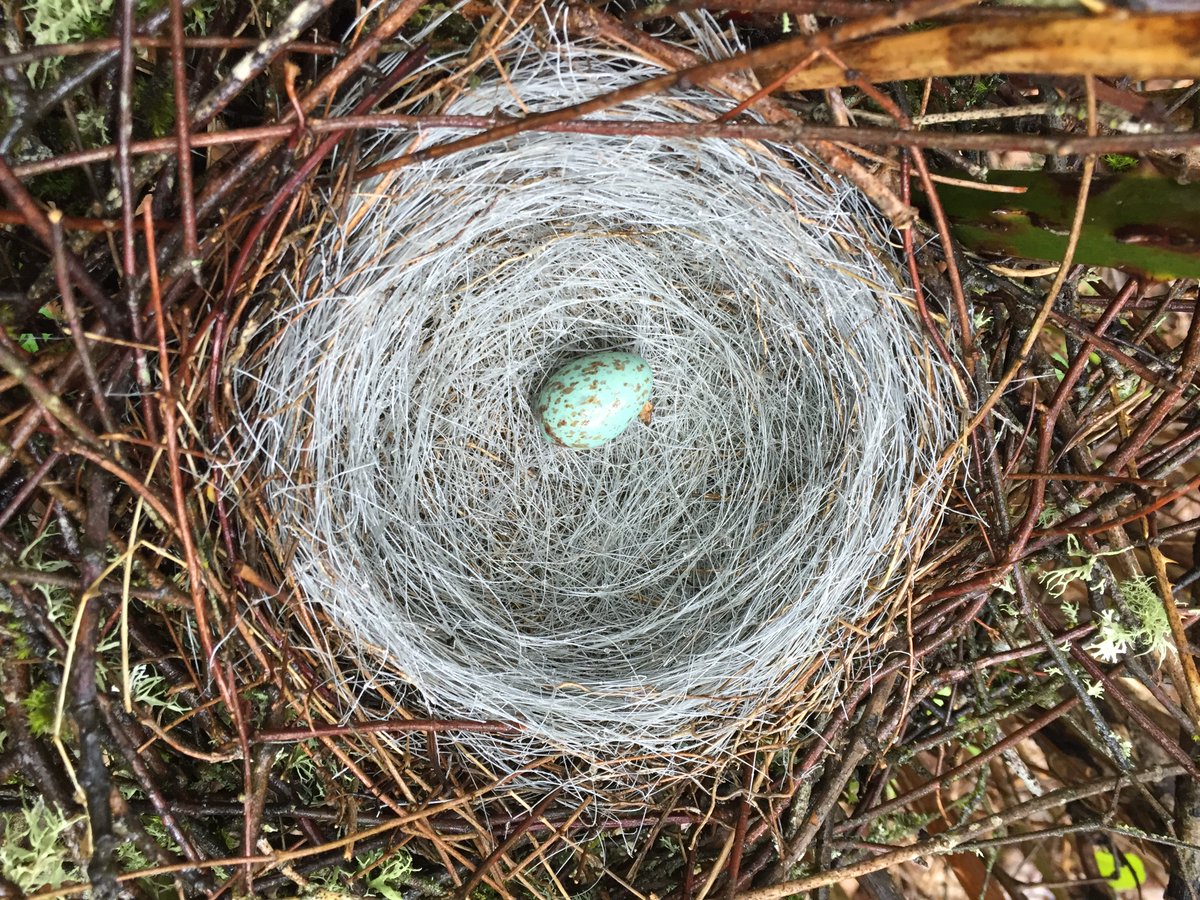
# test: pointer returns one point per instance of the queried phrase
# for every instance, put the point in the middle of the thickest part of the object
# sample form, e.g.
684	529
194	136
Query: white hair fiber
642	607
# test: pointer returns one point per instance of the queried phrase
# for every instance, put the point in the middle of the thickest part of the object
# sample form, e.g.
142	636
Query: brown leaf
1117	44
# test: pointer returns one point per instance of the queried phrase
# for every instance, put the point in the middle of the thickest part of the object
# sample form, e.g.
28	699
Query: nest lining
641	606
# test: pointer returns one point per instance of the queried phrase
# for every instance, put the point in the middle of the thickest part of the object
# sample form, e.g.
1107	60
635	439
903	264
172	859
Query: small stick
124	165
295	735
187	207
76	322
794	133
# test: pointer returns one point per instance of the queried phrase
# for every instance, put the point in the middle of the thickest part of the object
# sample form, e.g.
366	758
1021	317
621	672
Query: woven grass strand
642	606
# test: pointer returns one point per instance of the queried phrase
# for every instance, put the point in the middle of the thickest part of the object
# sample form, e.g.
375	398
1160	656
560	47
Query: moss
40	704
1120	162
453	27
154	107
971	92
68	190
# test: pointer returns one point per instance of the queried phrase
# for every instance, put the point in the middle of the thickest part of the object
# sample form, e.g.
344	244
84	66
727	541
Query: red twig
174	465
295	735
508	843
142	41
1010	740
191	250
1147	725
965	328
739	831
75	320
124	169
1069	526
1189	364
784	53
1087	478
35	219
784	133
1057	404
289	187
32	483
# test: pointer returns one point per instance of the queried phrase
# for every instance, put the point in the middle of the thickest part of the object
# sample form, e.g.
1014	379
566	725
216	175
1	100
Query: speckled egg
592	399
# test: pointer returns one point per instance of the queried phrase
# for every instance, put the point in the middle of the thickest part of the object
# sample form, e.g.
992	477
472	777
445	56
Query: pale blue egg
592	399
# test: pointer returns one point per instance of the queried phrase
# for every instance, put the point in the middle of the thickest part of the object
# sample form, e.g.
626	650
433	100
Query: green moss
972	92
12	639
40	704
1119	162
68	190
427	14
453	28
154	107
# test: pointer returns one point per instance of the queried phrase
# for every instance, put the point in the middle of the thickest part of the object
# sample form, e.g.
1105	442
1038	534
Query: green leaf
1132	872
1139	222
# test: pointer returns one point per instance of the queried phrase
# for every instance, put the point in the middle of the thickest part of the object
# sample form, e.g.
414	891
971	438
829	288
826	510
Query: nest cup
644	608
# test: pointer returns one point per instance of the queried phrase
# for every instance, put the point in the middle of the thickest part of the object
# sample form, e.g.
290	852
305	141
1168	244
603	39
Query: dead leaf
1118	44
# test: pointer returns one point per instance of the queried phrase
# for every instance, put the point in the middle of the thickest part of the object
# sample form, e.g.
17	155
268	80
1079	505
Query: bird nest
644	607
295	598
